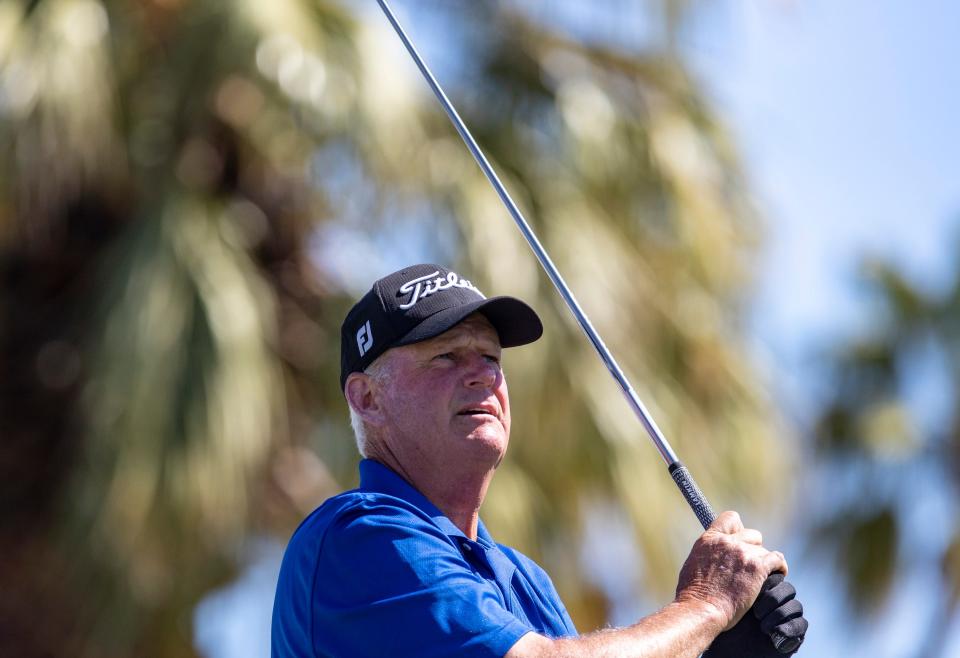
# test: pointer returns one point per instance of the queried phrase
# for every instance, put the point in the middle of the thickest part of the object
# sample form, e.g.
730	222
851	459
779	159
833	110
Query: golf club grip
695	498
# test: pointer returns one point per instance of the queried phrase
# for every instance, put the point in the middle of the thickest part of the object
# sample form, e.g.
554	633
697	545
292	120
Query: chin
491	441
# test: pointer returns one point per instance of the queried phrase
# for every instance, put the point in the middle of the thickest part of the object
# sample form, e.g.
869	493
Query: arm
680	630
718	583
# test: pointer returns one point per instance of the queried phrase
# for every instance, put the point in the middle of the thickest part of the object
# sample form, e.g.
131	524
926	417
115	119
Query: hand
775	611
726	569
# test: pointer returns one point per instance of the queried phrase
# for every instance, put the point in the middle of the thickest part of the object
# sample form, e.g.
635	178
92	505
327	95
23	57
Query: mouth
478	412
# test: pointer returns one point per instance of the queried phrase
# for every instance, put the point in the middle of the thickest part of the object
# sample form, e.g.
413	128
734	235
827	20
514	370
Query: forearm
682	629
718	583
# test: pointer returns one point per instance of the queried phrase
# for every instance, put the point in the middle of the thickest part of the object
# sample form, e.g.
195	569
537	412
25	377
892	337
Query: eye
492	358
445	355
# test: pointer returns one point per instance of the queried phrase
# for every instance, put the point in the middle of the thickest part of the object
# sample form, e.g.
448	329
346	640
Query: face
444	400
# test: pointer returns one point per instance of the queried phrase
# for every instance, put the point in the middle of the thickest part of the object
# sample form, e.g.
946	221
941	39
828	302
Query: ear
361	393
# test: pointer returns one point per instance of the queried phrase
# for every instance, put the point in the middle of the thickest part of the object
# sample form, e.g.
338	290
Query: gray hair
359	432
376	370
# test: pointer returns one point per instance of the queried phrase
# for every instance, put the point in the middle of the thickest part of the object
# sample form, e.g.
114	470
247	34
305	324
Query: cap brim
515	322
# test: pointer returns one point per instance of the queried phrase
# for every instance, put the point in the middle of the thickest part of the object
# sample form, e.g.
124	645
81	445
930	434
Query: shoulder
379	577
357	547
358	516
363	533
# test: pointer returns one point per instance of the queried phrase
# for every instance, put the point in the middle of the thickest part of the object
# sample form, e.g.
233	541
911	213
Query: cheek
504	399
420	403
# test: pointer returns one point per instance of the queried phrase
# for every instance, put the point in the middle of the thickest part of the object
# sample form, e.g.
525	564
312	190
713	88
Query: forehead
475	329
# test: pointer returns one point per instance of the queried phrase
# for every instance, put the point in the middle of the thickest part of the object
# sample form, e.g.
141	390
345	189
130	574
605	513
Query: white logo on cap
365	338
424	286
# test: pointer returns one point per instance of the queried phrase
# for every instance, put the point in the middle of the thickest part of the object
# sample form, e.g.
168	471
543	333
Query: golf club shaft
678	471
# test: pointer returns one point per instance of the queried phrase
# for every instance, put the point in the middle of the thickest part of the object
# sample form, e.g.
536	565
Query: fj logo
365	338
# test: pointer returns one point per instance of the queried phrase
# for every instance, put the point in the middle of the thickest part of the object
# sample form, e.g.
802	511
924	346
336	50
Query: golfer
403	566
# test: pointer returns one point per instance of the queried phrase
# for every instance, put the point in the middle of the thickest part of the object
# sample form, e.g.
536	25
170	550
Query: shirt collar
376	477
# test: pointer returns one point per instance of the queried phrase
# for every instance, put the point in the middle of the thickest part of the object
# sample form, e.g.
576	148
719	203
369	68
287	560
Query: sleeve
390	583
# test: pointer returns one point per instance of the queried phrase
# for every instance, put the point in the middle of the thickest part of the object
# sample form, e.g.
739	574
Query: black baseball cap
420	302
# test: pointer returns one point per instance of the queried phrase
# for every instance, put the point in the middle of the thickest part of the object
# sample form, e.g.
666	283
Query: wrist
711	616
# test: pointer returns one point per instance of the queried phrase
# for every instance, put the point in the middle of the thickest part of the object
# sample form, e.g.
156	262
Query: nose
482	373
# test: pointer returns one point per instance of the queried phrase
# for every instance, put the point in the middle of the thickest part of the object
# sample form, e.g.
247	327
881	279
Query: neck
459	503
458	492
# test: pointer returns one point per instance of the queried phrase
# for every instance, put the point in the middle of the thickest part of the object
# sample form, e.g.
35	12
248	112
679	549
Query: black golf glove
776	616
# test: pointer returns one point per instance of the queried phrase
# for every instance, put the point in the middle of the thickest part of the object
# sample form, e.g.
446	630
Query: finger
795	628
772	598
751	536
728	523
785	645
772	580
790	610
775	561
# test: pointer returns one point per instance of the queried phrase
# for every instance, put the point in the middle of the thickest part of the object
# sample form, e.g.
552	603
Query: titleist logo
424	286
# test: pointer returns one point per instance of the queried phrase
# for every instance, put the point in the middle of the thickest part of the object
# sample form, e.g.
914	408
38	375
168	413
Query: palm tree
890	434
160	313
192	192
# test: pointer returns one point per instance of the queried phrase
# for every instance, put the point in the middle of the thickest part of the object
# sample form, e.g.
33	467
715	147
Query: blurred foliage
191	193
889	442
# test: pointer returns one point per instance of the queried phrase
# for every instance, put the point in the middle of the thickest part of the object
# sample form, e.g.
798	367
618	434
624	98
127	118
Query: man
403	565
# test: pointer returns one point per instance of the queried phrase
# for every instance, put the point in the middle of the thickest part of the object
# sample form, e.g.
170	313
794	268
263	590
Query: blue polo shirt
380	571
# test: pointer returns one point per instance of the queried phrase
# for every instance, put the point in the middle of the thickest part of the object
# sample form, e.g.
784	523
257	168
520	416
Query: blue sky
845	113
845	116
